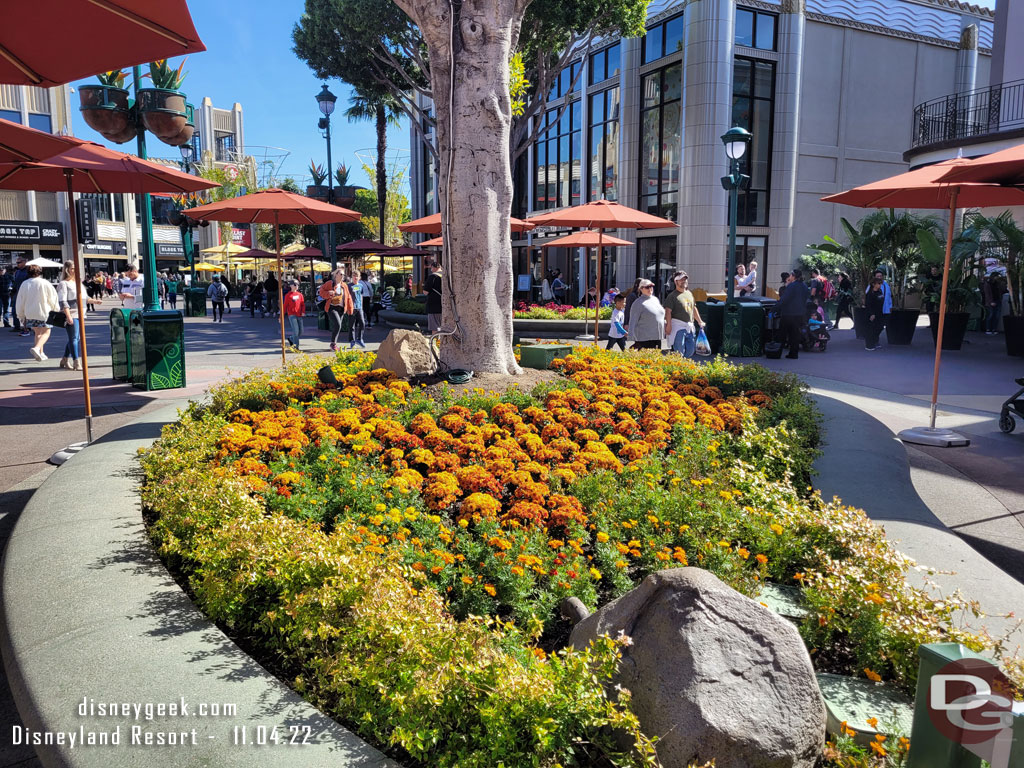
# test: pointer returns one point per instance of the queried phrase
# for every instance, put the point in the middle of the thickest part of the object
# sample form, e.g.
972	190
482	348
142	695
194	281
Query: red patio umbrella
19	143
925	188
277	207
52	42
1005	167
601	215
364	247
88	167
586	238
431	225
434	242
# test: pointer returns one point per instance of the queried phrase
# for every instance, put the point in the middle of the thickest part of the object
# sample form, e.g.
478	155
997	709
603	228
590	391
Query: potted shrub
163	106
962	288
897	240
859	258
1006	237
105	107
317	189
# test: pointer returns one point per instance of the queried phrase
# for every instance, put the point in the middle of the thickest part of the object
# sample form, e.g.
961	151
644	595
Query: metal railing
980	112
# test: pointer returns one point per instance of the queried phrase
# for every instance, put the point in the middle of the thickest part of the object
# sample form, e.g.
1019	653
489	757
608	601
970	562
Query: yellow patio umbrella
224	250
292	248
318	266
204	266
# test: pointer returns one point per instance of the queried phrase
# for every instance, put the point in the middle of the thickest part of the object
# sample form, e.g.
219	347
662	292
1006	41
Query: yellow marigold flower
743	552
380	507
776	528
684	528
490	590
872	675
466	580
620	564
663	556
874	598
602	537
725	544
463	523
762	559
725	495
595	573
556	543
517	570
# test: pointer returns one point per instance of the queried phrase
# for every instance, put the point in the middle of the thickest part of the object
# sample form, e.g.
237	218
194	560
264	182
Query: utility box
120	348
157	342
195	302
542	355
712	312
743	329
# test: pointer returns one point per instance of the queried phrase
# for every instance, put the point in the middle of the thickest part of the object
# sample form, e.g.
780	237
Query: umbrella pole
942	307
597	302
280	290
68	173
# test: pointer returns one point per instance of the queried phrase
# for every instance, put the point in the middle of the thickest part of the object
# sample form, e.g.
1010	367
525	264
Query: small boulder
714	675
406	354
573	610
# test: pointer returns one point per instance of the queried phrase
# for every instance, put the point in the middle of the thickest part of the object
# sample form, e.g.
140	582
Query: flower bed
400	560
553	311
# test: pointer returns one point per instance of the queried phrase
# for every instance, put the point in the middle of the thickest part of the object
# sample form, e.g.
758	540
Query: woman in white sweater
36	300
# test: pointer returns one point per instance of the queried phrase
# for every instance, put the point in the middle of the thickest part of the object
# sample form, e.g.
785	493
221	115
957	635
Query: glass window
574	70
744	27
663	39
598	62
673	35
653	44
40	122
752	108
753	248
765	32
558	157
13	116
612	67
100	204
656	261
603	158
755	29
597	108
661	142
118	208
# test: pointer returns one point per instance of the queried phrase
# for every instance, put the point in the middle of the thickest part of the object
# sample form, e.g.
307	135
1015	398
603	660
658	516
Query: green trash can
323	323
743	329
157	342
195	302
712	312
120	347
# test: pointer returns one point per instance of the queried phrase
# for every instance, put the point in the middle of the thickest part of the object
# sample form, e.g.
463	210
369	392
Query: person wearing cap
218	293
646	319
294	310
681	316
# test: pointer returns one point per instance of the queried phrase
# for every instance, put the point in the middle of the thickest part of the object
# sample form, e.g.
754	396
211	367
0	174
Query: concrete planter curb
89	612
546	329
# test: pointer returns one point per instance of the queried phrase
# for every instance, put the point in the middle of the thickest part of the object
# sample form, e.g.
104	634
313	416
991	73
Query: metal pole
149	292
942	307
280	289
597	309
68	173
734	194
330	196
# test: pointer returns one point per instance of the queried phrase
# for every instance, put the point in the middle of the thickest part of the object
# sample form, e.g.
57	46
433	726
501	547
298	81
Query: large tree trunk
475	179
382	180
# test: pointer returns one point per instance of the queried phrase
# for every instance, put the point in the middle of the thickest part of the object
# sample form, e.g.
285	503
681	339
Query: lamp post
736	141
325	99
187	224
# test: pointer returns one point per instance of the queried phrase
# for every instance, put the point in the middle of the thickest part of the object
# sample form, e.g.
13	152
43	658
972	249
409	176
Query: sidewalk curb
89	612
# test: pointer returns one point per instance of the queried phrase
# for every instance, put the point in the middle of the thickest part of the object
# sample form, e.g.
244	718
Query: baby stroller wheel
1006	422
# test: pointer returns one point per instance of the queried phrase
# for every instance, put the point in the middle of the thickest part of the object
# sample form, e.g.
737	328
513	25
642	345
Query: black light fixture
187	153
326	100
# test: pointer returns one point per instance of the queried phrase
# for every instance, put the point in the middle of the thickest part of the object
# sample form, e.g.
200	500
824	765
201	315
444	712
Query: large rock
714	675
405	353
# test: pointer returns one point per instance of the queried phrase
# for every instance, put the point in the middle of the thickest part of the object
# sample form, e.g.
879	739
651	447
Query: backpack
828	291
222	292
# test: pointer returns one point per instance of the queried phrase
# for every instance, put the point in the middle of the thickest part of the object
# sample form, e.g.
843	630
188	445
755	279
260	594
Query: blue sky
249	59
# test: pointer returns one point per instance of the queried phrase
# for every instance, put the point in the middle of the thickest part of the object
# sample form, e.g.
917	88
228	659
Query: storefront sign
241	237
166	250
107	248
95	265
32	232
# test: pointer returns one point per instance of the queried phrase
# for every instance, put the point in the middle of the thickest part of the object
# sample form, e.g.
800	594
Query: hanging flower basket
163	112
186	133
106	110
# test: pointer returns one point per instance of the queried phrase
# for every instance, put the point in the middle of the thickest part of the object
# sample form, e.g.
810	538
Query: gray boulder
714	675
406	354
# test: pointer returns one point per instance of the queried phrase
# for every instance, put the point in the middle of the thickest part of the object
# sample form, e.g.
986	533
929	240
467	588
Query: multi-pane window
557	155
566	82
10	114
755	29
429	201
661	141
40	122
605	64
197	146
656	260
753	95
663	39
118	208
100	204
225	147
604	145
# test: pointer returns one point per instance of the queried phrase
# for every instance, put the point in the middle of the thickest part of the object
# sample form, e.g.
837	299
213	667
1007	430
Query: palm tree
384	110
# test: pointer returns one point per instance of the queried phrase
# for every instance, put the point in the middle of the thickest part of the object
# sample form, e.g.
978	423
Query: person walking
270	289
337	302
558	286
845	306
172	290
67	300
682	319
161	288
357	319
218	294
17	280
366	289
646	319
874	304
294	310
617	330
792	311
37	298
6	282
434	288
227	296
633	295
992	294
130	288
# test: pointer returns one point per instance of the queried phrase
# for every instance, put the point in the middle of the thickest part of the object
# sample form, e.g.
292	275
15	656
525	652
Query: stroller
1013	405
814	336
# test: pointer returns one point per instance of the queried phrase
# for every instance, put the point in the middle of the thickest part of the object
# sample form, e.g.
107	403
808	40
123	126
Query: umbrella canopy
1005	167
292	248
402	252
434	242
77	39
41	262
431	225
306	253
226	249
252	254
587	238
363	246
204	266
19	143
98	169
316	266
926	188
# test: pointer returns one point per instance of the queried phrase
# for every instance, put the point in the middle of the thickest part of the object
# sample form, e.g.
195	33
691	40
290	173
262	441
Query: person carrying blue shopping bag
681	316
617	331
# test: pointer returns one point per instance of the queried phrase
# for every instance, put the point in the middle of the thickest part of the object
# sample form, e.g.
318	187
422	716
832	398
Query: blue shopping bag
703	346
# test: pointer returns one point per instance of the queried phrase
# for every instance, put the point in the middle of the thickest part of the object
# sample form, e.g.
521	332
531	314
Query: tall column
782	251
967	60
707	105
629	152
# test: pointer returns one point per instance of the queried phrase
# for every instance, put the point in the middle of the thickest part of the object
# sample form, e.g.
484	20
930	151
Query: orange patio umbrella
587	238
19	143
926	188
52	42
1005	167
88	167
277	207
434	242
601	215
431	225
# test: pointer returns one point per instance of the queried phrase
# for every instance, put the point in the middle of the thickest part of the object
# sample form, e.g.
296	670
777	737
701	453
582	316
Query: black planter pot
860	321
900	325
953	330
1014	327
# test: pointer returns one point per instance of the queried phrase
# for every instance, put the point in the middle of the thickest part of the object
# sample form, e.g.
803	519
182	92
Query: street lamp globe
736	141
326	101
186	152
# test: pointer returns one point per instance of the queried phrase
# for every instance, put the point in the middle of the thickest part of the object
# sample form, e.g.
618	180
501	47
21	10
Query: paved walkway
944	506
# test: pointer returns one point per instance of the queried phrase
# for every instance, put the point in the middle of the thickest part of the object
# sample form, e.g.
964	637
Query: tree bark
382	182
470	86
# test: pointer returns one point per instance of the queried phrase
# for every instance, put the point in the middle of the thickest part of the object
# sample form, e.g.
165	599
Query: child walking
617	333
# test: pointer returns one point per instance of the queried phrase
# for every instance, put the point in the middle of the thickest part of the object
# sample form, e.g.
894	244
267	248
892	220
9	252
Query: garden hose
458	376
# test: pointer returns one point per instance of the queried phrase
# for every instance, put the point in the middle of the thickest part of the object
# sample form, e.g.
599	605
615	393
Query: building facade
34	224
824	86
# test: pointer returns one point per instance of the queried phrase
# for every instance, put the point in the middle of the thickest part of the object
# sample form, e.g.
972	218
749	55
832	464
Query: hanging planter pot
182	138
318	191
105	109
163	112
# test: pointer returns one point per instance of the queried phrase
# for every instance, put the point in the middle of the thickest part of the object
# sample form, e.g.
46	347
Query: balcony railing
959	116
